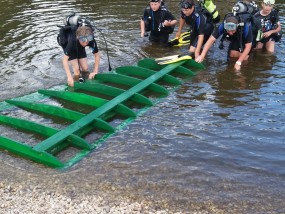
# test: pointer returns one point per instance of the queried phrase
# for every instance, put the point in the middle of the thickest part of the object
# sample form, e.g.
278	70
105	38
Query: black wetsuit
199	24
74	50
154	23
242	36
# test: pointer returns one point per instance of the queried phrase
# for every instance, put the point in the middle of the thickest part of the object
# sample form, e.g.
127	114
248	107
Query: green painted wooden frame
135	82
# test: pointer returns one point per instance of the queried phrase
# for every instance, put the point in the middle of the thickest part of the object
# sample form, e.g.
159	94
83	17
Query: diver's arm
206	48
142	28
243	56
96	65
70	80
199	45
180	27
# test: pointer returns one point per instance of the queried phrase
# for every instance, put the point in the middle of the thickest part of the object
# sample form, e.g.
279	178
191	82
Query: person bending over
75	54
239	35
201	26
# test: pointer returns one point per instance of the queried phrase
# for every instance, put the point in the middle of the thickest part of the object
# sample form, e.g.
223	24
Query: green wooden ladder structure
125	86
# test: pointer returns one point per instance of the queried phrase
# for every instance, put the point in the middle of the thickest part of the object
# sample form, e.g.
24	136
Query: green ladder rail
126	84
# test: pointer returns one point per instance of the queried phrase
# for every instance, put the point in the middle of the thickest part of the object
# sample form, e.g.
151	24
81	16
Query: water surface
215	144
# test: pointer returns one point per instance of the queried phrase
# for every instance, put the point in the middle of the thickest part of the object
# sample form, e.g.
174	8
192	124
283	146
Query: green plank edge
60	112
29	153
43	130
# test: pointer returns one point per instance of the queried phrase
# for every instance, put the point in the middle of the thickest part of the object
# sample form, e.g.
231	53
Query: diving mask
86	38
230	26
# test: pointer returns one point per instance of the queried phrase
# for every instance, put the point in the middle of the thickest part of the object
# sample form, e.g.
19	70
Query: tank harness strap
240	40
222	31
228	52
162	16
243	34
221	45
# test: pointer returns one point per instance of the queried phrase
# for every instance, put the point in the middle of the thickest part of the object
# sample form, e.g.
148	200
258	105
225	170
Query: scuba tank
211	8
241	7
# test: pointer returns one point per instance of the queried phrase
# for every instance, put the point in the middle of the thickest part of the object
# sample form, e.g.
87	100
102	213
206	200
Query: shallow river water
215	142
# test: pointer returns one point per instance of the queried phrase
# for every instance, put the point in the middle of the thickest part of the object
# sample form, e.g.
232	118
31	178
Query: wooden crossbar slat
130	81
42	130
85	99
143	72
111	91
29	153
60	112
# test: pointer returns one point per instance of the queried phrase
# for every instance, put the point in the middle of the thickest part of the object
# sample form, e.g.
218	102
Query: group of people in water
246	27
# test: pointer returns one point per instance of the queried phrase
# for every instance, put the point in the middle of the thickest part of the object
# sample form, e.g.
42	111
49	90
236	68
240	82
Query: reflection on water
215	144
238	88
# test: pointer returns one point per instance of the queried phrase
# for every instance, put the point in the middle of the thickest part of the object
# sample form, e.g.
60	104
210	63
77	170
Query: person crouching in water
201	26
240	38
75	54
159	21
270	26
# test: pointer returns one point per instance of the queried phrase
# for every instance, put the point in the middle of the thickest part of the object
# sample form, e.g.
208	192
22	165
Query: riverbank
19	199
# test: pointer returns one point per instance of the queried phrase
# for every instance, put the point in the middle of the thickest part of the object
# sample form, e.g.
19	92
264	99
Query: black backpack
246	17
65	34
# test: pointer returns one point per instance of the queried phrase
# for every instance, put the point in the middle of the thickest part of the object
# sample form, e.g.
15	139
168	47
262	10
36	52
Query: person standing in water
159	21
270	26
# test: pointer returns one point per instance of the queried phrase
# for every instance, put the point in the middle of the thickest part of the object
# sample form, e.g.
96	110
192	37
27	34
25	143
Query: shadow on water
215	144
